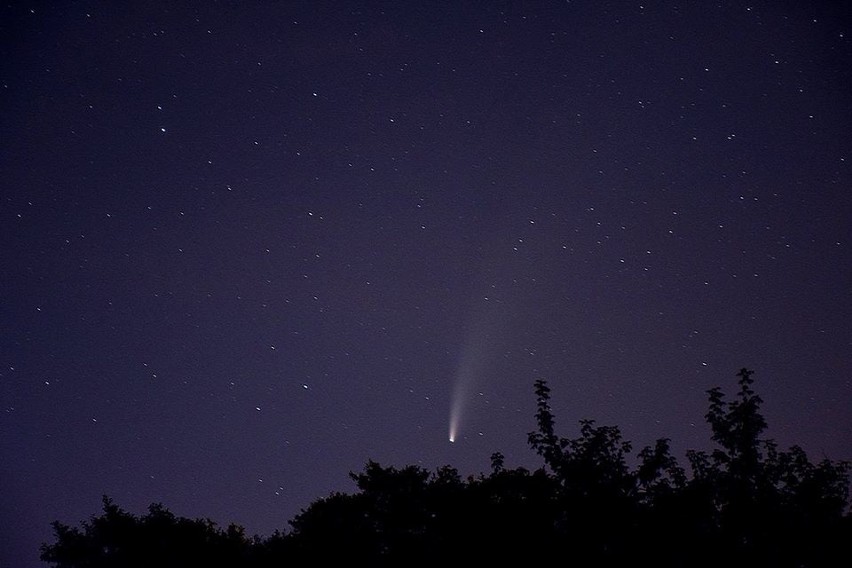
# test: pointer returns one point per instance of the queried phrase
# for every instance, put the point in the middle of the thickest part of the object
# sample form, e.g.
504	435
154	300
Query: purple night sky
247	246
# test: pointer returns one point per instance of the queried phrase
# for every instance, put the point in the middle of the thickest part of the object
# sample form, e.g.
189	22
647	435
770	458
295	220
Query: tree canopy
744	503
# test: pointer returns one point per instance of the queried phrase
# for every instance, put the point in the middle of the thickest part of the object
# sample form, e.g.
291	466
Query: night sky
246	247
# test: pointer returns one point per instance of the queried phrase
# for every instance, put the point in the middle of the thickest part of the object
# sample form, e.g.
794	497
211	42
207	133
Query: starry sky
247	246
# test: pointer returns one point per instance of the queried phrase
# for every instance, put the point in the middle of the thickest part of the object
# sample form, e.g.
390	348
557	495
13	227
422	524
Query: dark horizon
747	503
247	248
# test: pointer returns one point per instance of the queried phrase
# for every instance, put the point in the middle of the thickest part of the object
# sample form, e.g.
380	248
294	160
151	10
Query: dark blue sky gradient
248	246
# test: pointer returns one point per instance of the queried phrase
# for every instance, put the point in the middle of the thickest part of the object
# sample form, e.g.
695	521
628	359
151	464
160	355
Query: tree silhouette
762	505
596	488
744	503
159	538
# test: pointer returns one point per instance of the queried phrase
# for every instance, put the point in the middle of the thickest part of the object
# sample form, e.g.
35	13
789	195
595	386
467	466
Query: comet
485	337
479	349
463	382
455	412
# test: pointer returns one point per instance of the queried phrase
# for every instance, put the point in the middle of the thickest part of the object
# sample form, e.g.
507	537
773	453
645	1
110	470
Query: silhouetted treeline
746	503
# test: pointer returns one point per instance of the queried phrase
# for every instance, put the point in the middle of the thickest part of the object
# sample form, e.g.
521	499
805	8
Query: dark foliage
159	538
744	504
